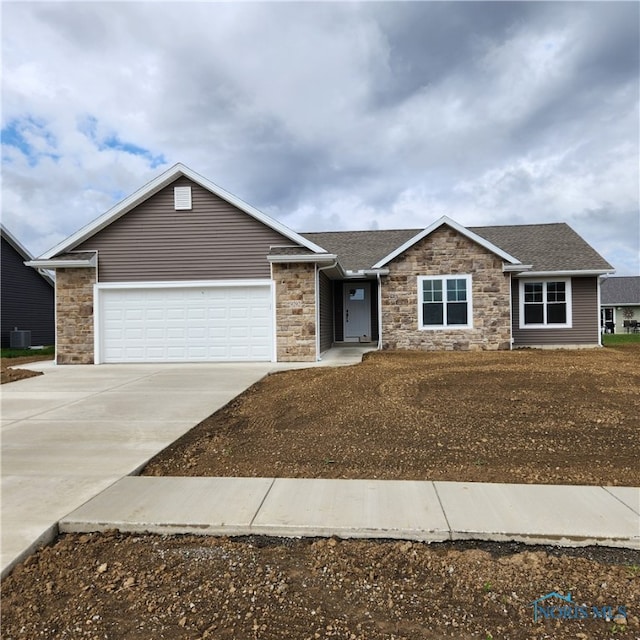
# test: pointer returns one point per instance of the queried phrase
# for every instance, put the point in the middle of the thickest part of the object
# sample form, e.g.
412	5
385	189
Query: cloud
328	115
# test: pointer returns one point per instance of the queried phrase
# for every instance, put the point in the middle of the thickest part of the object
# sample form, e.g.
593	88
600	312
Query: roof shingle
620	290
547	247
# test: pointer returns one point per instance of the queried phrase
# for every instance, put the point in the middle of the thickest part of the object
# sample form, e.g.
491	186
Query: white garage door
185	324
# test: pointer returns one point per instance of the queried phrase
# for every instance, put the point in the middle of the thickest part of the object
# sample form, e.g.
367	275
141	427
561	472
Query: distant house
620	304
27	295
182	270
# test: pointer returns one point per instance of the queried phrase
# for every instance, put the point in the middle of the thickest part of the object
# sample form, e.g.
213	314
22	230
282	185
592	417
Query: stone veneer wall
295	312
445	252
74	313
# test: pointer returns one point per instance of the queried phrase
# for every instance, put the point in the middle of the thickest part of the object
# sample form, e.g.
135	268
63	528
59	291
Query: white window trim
446	327
567	325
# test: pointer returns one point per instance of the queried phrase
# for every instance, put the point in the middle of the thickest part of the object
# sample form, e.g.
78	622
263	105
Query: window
444	301
545	303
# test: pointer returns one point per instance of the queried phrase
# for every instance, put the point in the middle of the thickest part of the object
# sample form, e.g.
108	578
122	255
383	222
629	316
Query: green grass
616	339
20	353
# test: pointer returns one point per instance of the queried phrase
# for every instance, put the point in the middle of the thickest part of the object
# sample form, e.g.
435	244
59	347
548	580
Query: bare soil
569	417
8	372
117	586
554	417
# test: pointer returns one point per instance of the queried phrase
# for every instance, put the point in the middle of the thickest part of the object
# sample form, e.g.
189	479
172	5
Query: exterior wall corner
75	315
295	312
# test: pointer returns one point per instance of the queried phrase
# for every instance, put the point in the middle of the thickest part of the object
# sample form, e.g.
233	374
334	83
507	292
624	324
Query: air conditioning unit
20	339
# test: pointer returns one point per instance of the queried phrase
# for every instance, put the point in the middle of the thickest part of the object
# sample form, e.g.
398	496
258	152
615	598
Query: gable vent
182	198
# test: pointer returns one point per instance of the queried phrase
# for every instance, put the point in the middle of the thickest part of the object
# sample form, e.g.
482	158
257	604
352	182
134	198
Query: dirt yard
119	587
556	417
9	374
568	417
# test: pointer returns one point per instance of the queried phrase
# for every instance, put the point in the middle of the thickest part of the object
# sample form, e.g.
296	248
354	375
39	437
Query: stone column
295	312
74	315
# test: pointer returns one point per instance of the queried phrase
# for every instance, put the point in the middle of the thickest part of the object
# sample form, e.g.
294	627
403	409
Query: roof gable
154	187
444	220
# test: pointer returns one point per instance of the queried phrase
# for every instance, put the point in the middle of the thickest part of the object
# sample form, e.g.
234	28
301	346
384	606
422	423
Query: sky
328	115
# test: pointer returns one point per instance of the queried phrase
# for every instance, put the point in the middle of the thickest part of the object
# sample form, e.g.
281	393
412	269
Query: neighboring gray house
184	271
27	296
620	304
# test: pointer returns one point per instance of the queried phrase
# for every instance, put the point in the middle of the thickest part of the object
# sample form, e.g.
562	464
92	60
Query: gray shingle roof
80	255
548	247
361	249
620	290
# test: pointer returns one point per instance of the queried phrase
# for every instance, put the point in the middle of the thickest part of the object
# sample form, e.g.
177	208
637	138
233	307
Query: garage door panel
203	323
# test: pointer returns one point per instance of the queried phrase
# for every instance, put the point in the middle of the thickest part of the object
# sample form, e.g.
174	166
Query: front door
357	311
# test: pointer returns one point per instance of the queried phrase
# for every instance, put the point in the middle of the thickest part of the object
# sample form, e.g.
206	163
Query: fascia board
457	227
323	257
153	187
552	274
52	263
510	268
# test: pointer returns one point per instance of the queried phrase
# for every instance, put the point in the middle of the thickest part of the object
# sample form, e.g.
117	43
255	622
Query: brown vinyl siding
326	313
27	299
211	241
585	318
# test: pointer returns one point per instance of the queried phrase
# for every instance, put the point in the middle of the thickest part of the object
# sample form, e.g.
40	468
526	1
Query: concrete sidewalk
410	510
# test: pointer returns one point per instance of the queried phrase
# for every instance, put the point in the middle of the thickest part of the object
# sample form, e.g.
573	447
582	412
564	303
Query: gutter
553	274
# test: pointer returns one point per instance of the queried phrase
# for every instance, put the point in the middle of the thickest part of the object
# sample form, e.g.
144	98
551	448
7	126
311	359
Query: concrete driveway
71	433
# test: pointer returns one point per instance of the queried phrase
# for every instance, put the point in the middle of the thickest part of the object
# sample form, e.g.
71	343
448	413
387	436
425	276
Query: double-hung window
445	302
545	303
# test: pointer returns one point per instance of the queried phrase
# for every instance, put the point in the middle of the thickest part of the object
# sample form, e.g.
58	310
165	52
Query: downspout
511	312
379	311
600	312
317	278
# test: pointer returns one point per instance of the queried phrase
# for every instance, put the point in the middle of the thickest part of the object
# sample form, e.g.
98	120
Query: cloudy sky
328	115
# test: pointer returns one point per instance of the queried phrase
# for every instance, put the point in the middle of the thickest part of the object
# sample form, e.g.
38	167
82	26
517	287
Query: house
620	304
182	270
27	295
